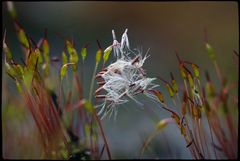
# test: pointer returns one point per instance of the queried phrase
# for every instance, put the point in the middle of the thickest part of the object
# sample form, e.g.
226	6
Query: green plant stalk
194	150
214	149
167	143
203	134
150	137
196	147
199	132
82	75
92	82
219	74
196	130
94	112
60	95
189	103
79	90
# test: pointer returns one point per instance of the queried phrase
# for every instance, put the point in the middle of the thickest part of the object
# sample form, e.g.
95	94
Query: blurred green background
161	26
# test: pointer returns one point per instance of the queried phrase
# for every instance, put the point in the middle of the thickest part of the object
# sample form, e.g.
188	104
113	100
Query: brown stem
103	135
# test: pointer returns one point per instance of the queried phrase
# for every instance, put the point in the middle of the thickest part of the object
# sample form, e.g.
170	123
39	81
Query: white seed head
123	79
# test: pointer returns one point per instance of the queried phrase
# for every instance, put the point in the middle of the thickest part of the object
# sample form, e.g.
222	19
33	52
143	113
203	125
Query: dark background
161	26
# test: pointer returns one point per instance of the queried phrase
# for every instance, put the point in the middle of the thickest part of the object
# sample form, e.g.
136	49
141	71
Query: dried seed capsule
176	118
183	131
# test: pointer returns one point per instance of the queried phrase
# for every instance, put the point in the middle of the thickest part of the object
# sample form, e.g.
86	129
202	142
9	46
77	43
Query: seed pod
195	70
64	70
11	9
64	58
174	84
84	53
176	118
183	131
163	123
184	108
183	71
195	111
19	71
7	51
46	50
23	38
170	91
210	51
190	80
73	54
39	55
10	70
107	52
32	60
159	96
98	56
